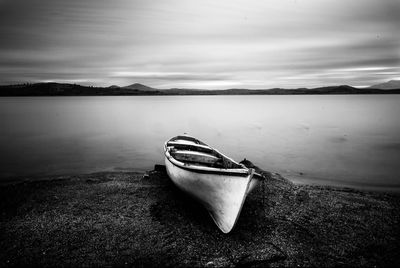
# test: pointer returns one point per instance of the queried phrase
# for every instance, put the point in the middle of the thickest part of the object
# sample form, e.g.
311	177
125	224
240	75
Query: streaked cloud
210	44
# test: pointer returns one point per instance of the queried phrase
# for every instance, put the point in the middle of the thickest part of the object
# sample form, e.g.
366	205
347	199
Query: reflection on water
339	140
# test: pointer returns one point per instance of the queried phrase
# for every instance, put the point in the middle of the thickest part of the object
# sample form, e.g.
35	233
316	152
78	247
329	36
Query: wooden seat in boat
194	157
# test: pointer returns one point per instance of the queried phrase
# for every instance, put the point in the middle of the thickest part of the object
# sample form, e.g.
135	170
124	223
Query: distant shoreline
59	89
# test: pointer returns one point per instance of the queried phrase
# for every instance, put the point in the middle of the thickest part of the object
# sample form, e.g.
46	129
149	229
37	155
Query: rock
302	196
159	168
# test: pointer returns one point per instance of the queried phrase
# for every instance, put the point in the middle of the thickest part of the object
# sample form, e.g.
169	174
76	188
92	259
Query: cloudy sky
200	44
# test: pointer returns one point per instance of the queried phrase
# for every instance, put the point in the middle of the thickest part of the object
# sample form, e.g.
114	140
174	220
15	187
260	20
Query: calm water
337	140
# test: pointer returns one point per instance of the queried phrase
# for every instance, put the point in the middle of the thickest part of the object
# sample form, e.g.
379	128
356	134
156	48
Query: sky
208	44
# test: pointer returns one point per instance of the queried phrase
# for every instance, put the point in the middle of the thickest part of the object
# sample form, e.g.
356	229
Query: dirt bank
126	219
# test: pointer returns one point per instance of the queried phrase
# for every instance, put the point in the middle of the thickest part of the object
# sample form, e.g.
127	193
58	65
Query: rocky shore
136	219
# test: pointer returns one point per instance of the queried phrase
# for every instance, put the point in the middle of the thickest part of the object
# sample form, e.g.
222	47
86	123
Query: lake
344	140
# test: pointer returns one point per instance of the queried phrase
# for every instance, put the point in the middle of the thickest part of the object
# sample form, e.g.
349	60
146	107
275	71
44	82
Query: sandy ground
136	219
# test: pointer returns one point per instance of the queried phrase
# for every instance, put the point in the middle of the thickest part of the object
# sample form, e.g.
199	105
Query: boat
215	180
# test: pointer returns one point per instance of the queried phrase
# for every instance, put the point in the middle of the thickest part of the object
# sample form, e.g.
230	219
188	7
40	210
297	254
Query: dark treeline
60	89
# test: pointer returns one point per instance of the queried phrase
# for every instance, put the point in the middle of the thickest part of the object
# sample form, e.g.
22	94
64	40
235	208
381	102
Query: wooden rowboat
217	181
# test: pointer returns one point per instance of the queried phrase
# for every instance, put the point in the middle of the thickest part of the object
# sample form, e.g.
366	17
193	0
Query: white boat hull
221	194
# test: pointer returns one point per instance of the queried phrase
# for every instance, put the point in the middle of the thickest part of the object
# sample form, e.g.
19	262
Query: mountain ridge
392	84
138	86
65	89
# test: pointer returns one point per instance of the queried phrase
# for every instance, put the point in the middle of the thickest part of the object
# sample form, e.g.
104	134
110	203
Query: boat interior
189	150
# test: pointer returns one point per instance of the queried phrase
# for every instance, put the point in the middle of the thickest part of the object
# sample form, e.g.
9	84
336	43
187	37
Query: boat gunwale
207	170
242	172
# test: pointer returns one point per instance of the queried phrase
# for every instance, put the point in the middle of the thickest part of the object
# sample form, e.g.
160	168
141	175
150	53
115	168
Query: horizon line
189	88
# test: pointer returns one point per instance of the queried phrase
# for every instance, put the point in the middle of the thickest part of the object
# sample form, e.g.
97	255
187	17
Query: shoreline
134	218
302	181
66	89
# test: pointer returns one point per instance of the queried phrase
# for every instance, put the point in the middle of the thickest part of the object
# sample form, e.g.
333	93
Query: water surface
345	140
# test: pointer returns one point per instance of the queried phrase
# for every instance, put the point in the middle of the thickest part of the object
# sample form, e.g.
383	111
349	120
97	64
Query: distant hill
392	84
62	89
140	87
